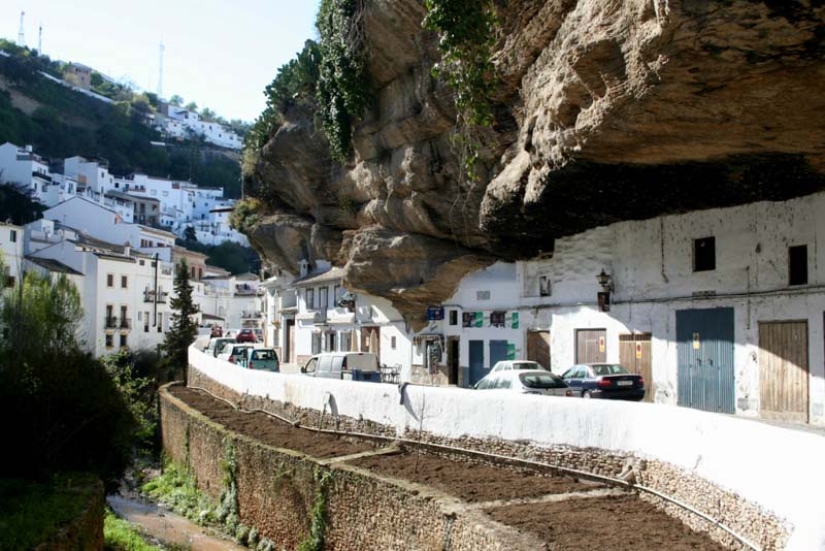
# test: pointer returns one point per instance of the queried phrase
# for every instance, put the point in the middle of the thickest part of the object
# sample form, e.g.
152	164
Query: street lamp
603	296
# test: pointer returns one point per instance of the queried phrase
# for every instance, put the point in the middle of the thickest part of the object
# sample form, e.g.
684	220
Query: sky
220	54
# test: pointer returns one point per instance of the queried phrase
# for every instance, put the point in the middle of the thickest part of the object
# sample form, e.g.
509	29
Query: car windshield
609	369
527	365
541	380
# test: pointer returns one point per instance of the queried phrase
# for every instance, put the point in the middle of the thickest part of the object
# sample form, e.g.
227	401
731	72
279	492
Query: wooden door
783	370
538	347
591	346
634	354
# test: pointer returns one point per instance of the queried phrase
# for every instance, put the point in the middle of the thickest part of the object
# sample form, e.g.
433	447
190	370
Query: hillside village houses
177	122
175	205
720	310
125	274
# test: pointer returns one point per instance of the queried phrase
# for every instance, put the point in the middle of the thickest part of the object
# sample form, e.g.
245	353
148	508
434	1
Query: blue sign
435	313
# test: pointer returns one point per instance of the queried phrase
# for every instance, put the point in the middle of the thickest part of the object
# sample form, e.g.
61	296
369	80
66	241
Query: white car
536	381
515	365
235	353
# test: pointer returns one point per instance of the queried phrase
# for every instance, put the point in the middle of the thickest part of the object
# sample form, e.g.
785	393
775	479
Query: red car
246	335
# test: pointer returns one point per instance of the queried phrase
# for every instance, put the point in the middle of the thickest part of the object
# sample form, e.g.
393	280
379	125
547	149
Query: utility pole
160	69
21	38
40	40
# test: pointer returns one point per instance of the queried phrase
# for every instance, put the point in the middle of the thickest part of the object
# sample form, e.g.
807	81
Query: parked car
343	365
262	358
235	353
535	381
216	345
246	335
509	365
604	380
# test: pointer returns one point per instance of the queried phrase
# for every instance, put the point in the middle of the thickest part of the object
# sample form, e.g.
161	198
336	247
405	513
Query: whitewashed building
180	123
720	310
124	293
12	243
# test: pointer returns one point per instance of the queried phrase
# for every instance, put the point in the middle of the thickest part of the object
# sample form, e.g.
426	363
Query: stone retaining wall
278	488
745	518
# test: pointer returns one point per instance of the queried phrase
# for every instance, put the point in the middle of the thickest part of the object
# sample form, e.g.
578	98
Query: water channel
168	527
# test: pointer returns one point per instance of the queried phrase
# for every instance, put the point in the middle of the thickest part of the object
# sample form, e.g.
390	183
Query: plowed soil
268	430
622	522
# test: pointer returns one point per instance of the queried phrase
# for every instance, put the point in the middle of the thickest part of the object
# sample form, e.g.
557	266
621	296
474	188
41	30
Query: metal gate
705	363
538	347
498	352
783	370
634	354
477	370
591	346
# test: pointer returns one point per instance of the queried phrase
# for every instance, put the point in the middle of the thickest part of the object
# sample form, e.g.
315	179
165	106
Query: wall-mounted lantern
603	296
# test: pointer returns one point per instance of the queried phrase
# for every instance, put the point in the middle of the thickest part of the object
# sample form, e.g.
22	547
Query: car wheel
587	394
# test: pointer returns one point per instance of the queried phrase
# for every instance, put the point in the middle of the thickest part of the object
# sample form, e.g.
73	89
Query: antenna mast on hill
160	69
21	39
40	40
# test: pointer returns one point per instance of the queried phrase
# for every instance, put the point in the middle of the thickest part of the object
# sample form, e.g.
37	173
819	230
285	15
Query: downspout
155	316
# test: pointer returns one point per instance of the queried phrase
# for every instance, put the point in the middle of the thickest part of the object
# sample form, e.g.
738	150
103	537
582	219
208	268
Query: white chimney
304	267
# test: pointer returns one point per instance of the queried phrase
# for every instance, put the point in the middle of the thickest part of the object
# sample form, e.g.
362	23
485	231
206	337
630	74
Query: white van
343	365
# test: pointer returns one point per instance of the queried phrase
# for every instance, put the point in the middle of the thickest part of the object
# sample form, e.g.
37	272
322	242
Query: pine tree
184	328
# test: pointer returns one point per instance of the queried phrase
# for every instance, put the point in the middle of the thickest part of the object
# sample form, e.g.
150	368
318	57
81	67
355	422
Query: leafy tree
192	106
69	416
136	376
184	329
176	100
207	114
190	235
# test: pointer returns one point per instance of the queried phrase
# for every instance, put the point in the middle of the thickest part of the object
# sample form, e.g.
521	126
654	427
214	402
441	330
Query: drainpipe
155	316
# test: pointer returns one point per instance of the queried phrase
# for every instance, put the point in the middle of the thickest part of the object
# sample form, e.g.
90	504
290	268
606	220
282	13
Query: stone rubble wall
277	490
717	464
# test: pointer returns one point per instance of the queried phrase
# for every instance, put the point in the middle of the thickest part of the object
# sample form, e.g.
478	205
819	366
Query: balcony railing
251	315
152	296
125	323
110	322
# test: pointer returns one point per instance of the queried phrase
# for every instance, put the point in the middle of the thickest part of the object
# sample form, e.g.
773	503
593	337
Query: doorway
591	346
634	354
538	347
705	359
452	360
783	370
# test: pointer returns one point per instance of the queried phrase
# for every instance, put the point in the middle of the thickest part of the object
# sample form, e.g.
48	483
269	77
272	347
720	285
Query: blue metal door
705	359
498	352
477	370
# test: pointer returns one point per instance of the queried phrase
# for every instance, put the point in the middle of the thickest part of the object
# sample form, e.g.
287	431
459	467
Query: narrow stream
168	527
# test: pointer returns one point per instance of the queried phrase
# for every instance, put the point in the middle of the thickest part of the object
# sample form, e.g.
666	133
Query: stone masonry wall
277	490
746	518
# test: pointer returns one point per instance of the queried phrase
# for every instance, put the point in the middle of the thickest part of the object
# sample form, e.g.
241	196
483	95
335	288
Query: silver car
510	365
535	381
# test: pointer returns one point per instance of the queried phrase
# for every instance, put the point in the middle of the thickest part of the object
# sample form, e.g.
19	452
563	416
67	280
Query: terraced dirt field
564	512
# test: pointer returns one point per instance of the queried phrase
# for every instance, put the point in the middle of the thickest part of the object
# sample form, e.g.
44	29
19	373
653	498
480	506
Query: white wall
742	456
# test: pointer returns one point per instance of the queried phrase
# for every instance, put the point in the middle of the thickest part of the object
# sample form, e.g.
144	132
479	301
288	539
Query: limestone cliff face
605	110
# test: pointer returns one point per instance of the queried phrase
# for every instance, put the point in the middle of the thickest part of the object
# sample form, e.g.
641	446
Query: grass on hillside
30	513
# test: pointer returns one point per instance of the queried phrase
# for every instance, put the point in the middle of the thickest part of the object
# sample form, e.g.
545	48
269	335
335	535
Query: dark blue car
611	381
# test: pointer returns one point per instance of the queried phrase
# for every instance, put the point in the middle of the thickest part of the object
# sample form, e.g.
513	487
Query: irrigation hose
557	468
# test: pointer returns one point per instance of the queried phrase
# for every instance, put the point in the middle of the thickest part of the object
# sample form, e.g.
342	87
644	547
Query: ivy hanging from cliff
343	87
295	84
466	30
